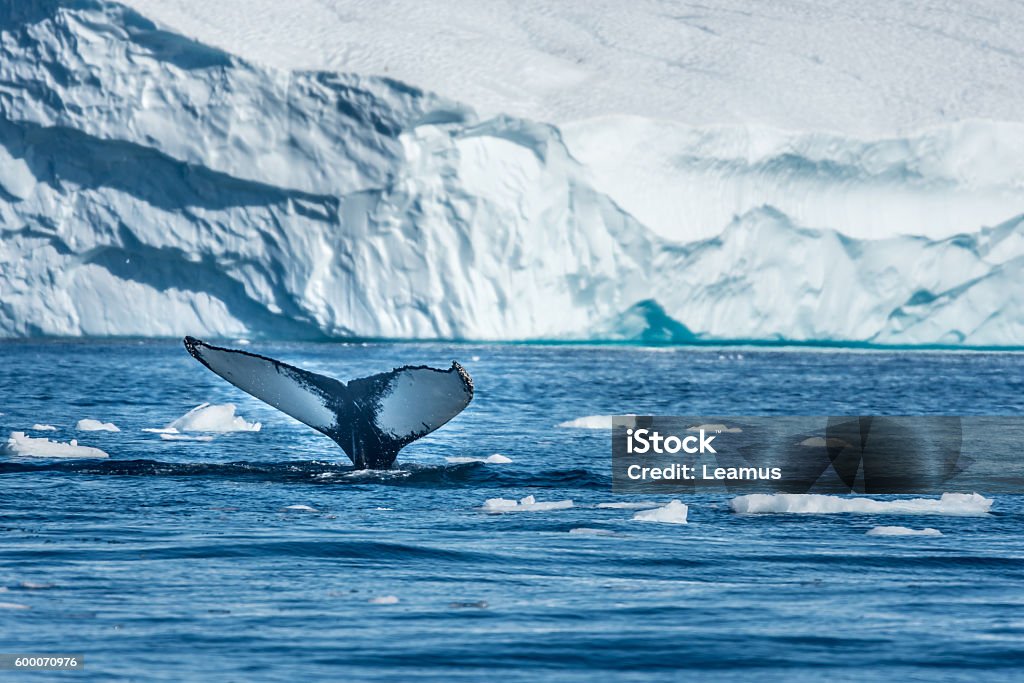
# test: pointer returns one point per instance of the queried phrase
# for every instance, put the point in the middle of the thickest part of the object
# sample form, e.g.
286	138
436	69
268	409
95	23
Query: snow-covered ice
547	192
871	68
527	504
954	504
493	459
902	531
672	513
43	428
20	444
90	425
213	418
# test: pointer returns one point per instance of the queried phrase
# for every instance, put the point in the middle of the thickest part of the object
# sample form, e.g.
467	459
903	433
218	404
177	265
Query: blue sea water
178	561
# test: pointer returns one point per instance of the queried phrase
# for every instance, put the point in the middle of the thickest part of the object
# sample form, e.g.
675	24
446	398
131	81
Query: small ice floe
384	509
475	358
23	445
629	505
160	430
527	504
243	342
588	531
13	605
42	428
31	586
902	531
208	417
185	437
384	600
954	504
589	422
715	427
494	459
298	508
90	425
672	513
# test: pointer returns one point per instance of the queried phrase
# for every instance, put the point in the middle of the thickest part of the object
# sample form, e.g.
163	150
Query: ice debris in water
184	437
495	459
629	505
20	444
672	513
589	422
90	425
527	504
902	531
384	600
299	508
956	504
13	605
208	417
43	428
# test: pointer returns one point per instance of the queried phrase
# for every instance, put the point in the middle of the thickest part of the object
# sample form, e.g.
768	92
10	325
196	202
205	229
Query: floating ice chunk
243	342
527	504
957	504
43	428
589	422
715	427
384	509
185	437
822	442
299	508
384	600
208	417
629	505
89	425
13	605
902	531
475	358
160	430
20	444
588	531
495	459
673	513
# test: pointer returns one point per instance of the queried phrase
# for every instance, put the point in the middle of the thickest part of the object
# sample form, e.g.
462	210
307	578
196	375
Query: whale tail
370	418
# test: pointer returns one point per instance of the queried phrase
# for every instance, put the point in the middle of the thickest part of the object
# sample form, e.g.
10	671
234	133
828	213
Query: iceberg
210	418
527	504
955	504
493	459
219	196
902	531
20	444
672	513
90	425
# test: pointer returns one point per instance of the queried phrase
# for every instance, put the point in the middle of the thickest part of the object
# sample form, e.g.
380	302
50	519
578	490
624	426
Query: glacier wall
154	186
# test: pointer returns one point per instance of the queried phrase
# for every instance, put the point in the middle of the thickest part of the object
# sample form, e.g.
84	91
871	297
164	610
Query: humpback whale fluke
370	418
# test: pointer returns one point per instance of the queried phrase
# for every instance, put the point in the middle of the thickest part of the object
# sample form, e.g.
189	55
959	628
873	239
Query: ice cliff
154	186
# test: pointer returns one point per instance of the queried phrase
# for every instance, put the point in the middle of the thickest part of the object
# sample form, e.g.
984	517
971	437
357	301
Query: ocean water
179	560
